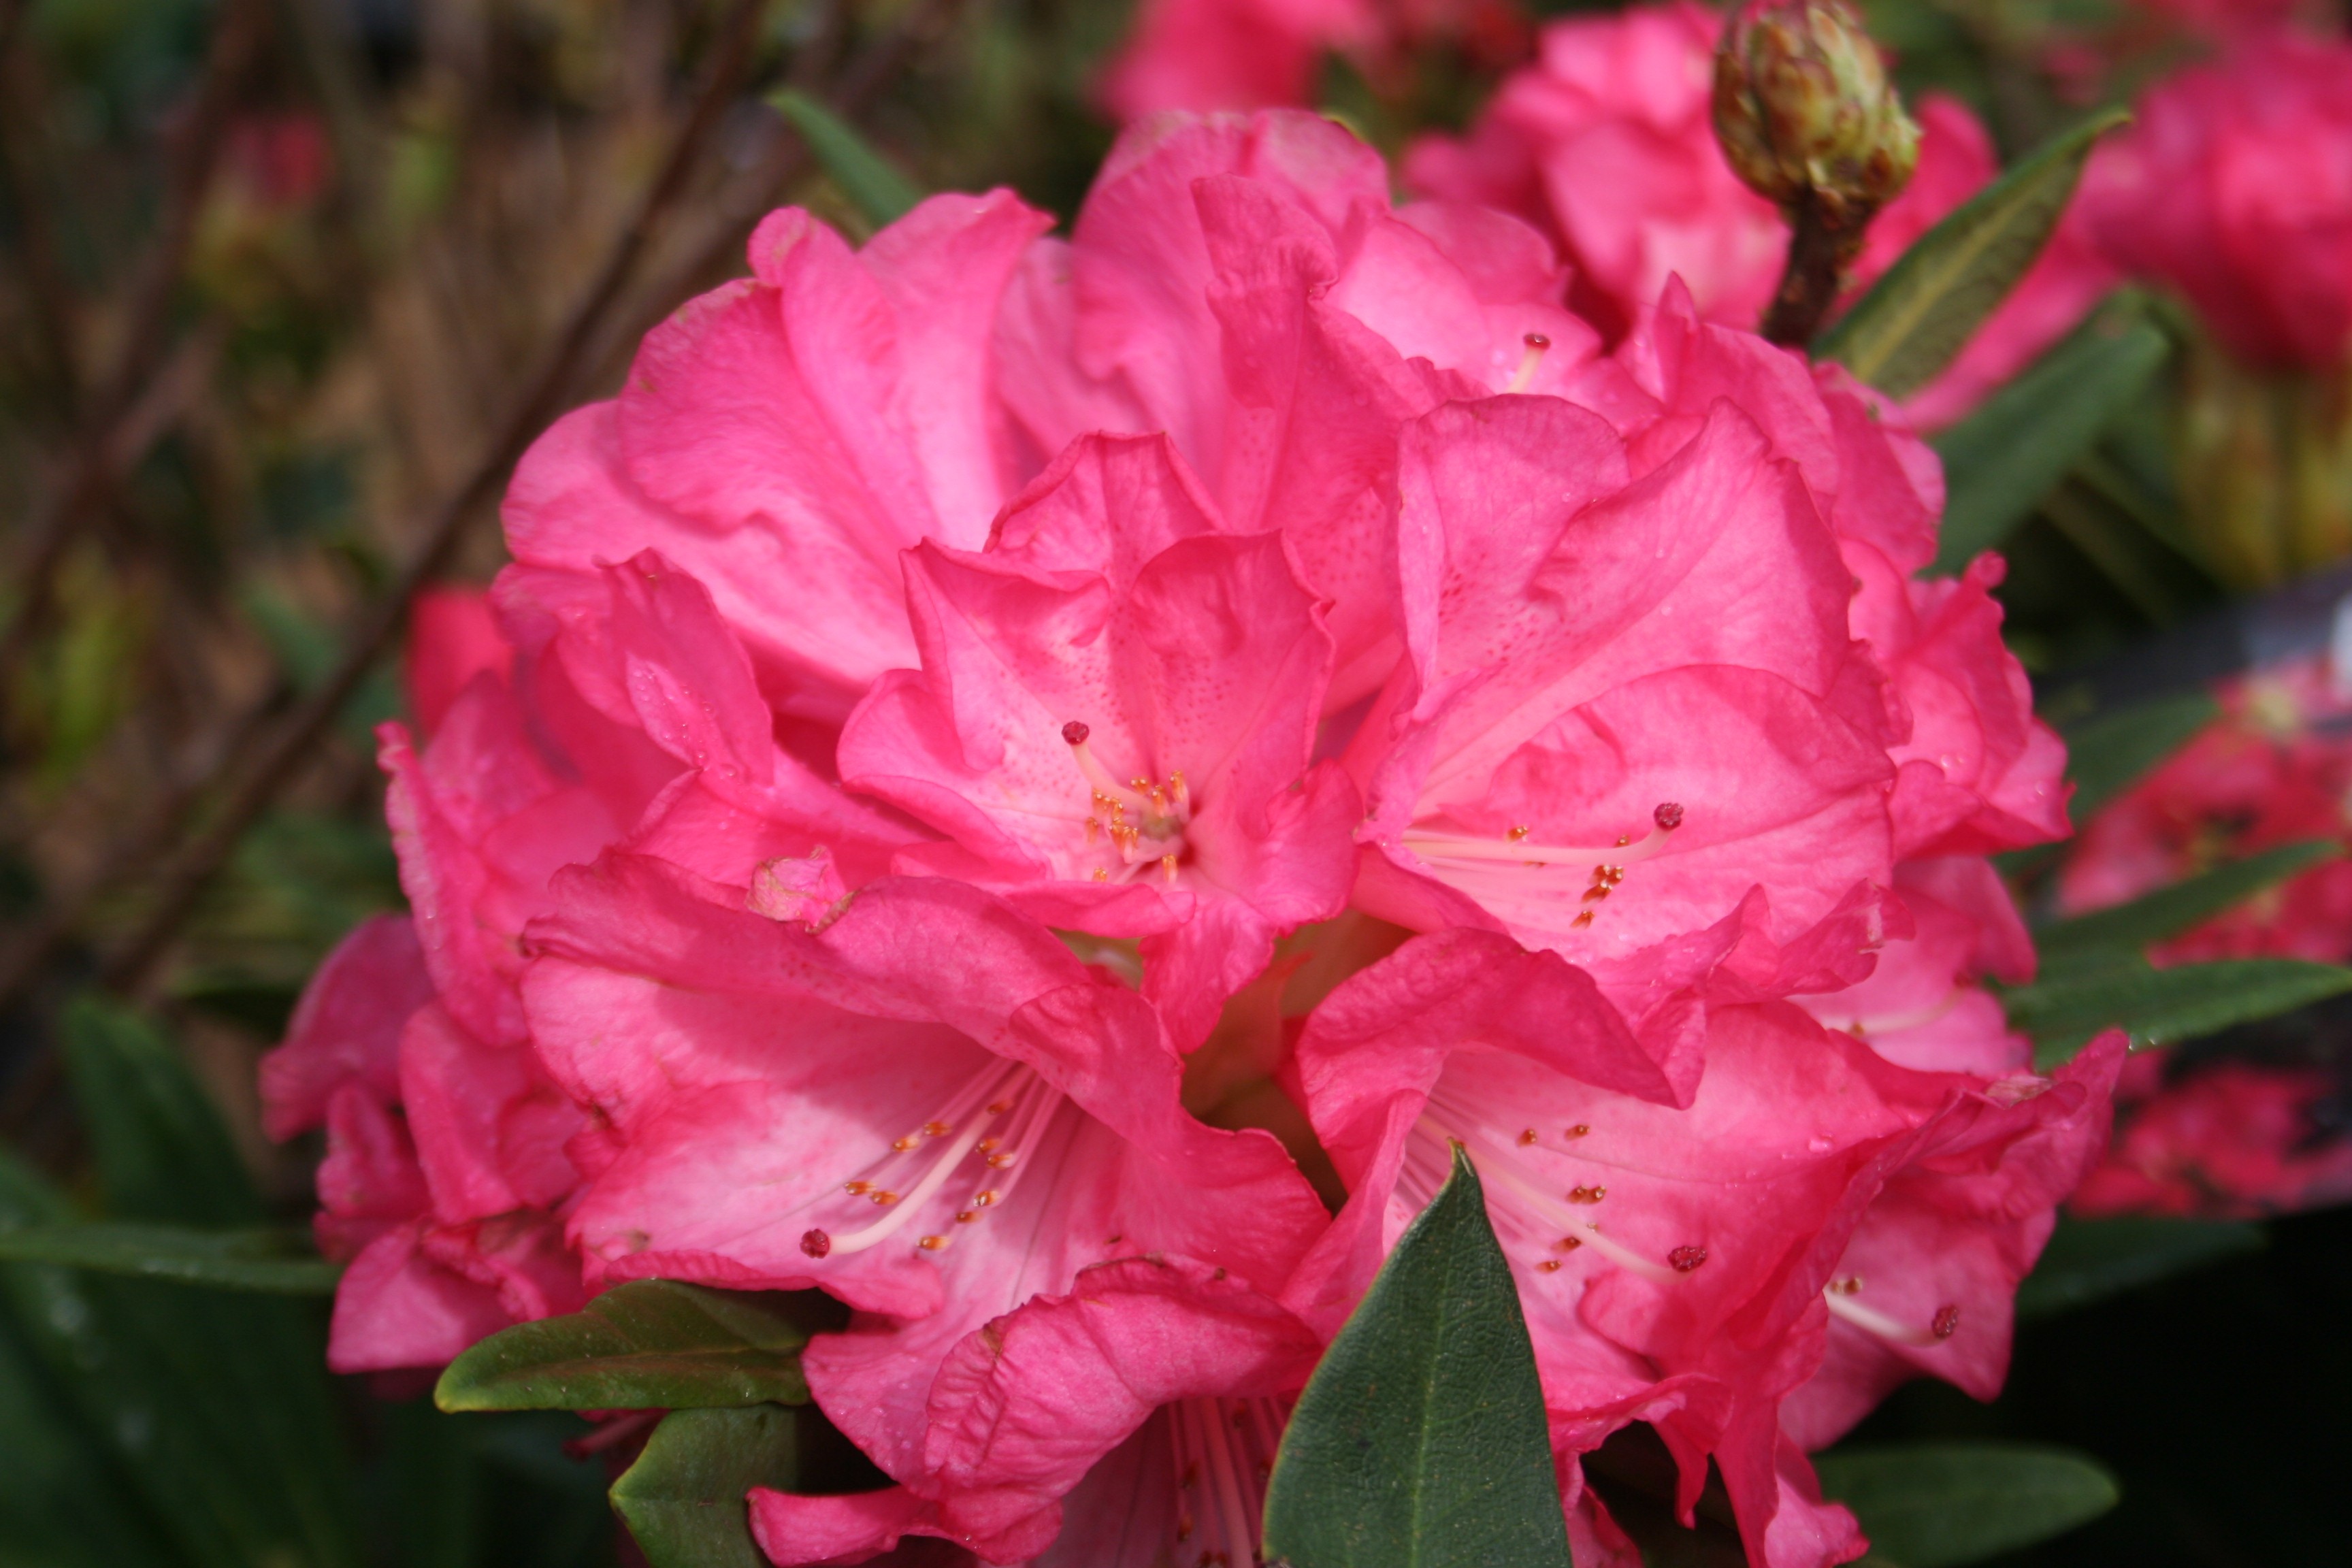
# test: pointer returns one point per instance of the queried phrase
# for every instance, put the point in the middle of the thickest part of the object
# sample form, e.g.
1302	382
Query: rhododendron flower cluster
1605	143
2235	189
2275	767
2223	1139
1002	757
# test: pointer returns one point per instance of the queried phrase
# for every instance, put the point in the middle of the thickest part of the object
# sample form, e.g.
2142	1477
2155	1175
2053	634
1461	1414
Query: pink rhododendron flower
442	1220
1684	1266
1239	285
1431	725
1139	1413
626	713
453	636
2274	768
1244	286
1921	1006
2231	1140
2233	186
1607	145
785	438
1114	721
1207	55
1693	678
930	1109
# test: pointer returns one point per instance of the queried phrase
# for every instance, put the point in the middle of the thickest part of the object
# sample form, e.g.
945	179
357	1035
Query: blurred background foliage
284	284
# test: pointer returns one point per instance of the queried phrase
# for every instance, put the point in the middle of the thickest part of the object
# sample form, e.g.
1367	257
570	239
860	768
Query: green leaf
875	189
230	1259
1938	1505
2170	911
161	1149
2107	754
2068	1005
683	1500
1918	315
2090	1259
1419	1442
65	1501
2003	459
220	1406
650	1344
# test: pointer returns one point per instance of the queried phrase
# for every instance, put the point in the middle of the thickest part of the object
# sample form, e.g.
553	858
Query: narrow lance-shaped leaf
1906	329
2171	910
2090	1259
650	1344
2107	755
2003	459
2159	1005
1940	1505
684	1499
64	1500
260	1260
881	192
1421	1440
240	1450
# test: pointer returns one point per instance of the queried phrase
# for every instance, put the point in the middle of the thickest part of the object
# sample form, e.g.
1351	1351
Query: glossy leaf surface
650	1344
1421	1440
2169	911
2088	1260
683	1500
1906	329
1941	1505
2069	1004
2004	458
230	1259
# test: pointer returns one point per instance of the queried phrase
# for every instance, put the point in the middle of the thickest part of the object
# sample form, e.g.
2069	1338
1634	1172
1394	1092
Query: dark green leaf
875	189
1938	1505
1419	1442
1917	317
2107	755
161	1151
650	1344
2003	459
2068	1005
65	1501
2090	1259
219	1404
490	1491
232	1259
2171	910
683	1500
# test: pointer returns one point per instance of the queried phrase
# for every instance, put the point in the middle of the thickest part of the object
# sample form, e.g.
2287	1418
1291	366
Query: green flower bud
1802	104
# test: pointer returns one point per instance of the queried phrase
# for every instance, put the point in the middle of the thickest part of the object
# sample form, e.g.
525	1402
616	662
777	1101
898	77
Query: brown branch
52	292
87	476
588	341
182	879
28	960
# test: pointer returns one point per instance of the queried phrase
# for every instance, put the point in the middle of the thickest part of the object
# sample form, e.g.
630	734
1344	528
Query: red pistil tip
816	1243
1947	1321
1074	733
1668	817
1685	1258
1536	340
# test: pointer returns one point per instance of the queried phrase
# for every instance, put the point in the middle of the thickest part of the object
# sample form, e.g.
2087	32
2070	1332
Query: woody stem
1821	246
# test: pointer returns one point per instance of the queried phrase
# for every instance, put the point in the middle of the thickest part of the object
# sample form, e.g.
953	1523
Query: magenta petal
346	1028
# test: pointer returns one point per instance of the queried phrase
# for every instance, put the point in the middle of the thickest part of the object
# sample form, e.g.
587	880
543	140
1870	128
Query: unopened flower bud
1802	105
